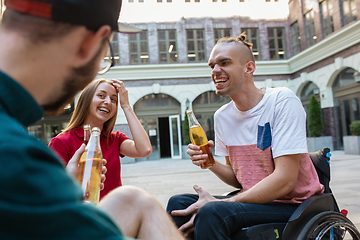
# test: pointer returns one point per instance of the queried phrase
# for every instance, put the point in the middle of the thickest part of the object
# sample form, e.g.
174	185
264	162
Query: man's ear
250	68
92	42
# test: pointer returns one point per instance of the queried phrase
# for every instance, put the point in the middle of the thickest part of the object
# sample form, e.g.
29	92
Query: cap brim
128	29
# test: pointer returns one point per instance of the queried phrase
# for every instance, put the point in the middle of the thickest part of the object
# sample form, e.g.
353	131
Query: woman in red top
97	106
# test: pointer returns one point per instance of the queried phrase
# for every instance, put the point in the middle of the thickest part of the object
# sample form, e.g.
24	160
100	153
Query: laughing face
103	105
228	68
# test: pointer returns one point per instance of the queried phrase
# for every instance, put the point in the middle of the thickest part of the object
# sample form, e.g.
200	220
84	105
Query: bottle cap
87	126
95	129
189	111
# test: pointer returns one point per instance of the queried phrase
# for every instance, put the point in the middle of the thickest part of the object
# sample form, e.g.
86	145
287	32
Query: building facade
314	50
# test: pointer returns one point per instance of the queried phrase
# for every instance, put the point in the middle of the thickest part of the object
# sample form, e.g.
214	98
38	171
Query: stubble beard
76	80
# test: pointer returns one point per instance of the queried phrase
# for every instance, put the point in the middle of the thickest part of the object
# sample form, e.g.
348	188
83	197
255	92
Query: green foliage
316	125
185	128
355	128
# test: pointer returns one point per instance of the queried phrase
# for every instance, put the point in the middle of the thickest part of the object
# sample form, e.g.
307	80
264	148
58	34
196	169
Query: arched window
204	106
345	77
211	98
156	100
346	103
309	89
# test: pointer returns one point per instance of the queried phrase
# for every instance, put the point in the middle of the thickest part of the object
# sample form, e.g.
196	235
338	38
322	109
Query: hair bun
242	37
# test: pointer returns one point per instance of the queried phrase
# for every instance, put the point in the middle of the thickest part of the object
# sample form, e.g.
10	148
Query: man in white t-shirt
261	133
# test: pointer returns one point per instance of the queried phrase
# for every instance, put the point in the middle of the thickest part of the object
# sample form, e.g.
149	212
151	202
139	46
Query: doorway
164	133
160	116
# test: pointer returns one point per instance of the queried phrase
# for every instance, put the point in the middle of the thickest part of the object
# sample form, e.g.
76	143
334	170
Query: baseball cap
90	13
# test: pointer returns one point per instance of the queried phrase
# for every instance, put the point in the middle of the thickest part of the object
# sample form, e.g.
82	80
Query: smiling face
229	67
103	105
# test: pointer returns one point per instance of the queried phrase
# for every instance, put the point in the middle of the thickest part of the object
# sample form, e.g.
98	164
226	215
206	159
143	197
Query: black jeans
220	220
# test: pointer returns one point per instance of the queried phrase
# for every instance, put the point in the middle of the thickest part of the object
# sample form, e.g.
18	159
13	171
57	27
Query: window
187	0
276	37
138	44
205	105
115	48
310	29
195	45
309	89
344	78
295	37
253	37
197	0
155	101
221	32
224	0
348	11
159	1
167	46
326	11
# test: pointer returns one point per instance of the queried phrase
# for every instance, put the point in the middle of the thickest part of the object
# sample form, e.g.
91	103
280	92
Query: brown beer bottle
87	133
90	166
198	137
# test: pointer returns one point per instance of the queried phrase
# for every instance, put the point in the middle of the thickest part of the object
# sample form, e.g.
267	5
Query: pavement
166	177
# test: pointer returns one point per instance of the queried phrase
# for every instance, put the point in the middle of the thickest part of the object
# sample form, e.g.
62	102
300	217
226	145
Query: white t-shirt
280	108
253	138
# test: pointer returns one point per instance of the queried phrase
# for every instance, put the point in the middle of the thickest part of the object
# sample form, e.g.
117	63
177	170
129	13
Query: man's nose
216	69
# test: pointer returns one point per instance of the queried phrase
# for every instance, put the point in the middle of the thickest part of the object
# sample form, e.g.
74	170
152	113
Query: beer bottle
87	133
90	166
198	137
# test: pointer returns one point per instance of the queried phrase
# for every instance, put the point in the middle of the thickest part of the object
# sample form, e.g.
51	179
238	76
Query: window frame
167	41
309	28
295	37
138	52
327	22
276	39
221	33
116	48
250	39
196	41
351	15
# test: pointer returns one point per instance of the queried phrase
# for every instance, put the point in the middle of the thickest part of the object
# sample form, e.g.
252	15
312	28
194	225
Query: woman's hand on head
123	93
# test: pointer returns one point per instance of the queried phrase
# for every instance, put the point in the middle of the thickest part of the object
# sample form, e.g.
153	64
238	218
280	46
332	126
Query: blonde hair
239	39
83	106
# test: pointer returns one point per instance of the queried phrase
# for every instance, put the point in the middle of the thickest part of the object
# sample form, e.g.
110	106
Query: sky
153	11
